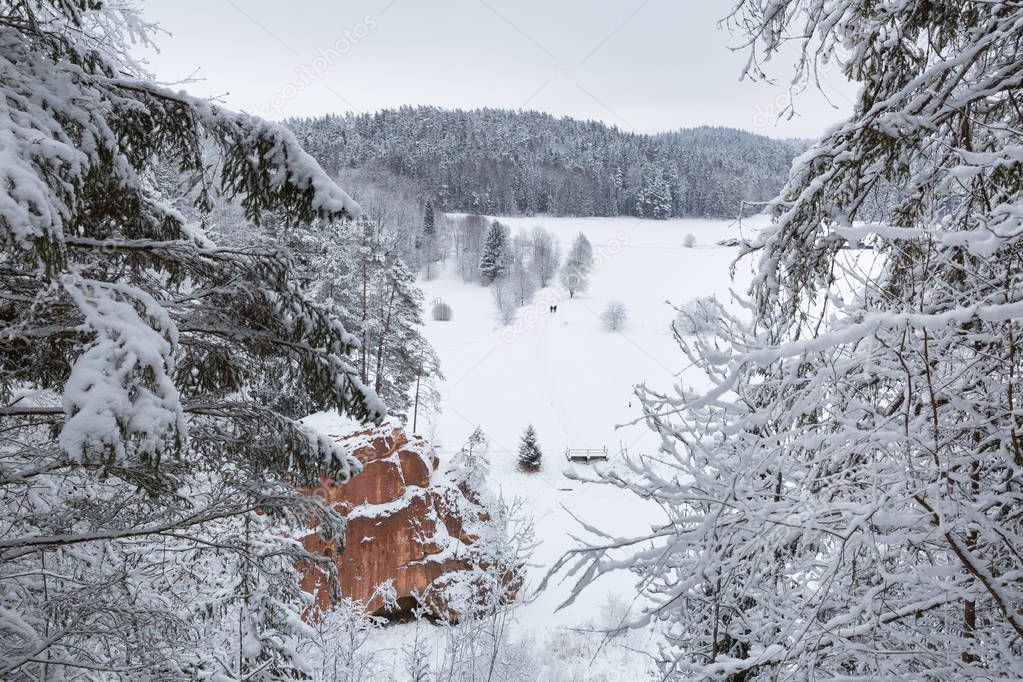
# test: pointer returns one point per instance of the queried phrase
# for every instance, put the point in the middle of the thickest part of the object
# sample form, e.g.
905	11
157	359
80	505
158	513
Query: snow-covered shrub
470	466
414	660
480	599
441	312
614	316
342	632
689	241
697	316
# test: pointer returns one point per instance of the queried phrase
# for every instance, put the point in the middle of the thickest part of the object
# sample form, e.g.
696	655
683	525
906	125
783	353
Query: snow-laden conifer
147	486
530	455
496	254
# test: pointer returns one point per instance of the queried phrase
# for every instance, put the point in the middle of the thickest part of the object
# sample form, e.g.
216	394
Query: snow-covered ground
573	380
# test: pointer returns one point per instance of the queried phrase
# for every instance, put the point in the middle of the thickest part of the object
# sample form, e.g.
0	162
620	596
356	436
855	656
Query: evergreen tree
477	440
429	227
428	242
657	196
379	302
495	256
530	456
137	447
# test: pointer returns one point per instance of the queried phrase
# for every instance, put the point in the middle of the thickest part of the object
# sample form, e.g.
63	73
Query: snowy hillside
572	380
529	162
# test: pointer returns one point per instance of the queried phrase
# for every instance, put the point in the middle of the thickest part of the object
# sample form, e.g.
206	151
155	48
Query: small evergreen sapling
530	456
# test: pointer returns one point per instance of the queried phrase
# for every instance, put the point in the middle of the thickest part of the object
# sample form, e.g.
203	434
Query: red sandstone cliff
402	525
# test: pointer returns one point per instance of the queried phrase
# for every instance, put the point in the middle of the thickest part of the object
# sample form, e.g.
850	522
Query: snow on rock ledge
404	525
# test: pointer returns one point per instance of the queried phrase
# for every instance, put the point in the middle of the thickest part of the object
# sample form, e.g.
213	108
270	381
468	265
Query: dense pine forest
496	161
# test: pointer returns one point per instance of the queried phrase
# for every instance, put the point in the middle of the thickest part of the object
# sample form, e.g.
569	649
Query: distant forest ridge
496	161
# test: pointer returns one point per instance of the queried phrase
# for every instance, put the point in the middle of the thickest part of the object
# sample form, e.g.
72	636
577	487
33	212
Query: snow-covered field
573	380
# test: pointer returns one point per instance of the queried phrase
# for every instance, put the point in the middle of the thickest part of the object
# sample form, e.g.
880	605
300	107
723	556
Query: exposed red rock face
401	526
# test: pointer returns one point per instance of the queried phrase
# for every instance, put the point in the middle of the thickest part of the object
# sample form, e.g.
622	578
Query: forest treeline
495	161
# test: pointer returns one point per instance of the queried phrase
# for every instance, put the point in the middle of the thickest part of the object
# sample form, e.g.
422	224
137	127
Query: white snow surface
573	381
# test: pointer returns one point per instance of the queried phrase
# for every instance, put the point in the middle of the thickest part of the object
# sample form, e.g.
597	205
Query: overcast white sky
644	65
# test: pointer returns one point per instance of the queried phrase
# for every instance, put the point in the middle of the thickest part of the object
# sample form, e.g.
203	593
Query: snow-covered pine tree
844	501
659	204
655	195
400	353
575	273
495	255
349	266
429	221
477	439
430	248
134	452
530	455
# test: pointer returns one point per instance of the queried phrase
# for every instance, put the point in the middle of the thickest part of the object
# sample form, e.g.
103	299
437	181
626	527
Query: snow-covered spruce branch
149	461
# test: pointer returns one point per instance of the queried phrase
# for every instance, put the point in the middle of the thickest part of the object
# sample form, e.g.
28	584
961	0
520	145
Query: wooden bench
585	454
